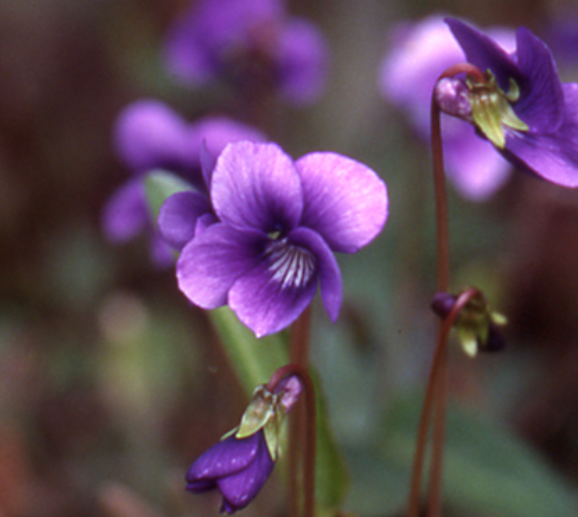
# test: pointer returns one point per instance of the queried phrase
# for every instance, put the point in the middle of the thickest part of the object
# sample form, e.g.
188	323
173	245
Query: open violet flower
279	223
149	135
253	44
521	106
418	53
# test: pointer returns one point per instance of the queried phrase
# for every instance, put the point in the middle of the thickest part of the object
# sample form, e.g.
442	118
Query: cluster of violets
257	231
251	44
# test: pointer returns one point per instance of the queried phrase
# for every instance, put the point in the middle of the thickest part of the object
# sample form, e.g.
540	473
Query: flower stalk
298	355
310	443
436	393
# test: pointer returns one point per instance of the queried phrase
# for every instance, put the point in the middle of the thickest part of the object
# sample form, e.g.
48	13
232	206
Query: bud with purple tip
477	325
242	461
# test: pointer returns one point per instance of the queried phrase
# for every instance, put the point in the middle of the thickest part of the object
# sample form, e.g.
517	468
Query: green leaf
254	360
487	469
331	478
159	185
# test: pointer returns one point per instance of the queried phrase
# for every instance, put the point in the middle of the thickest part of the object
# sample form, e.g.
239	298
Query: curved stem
436	392
437	367
309	451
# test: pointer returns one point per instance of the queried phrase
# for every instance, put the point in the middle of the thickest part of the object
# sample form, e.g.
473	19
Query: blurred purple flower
419	53
280	221
248	42
238	468
538	115
149	135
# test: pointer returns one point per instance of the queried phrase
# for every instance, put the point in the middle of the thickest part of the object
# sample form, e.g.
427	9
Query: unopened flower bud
453	98
477	325
242	461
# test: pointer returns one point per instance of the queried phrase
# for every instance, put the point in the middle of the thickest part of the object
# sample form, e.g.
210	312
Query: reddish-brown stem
298	355
436	368
436	392
309	450
434	498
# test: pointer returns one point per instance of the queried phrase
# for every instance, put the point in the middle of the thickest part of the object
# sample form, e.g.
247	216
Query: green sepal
488	117
259	412
469	341
492	109
498	319
273	430
473	324
229	433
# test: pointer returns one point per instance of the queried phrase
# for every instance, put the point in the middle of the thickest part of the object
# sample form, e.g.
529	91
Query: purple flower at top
419	53
530	117
248	42
148	135
279	223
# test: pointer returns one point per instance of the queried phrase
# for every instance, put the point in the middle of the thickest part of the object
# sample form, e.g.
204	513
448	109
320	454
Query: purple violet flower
530	117
248	41
419	53
238	468
148	135
240	463
279	223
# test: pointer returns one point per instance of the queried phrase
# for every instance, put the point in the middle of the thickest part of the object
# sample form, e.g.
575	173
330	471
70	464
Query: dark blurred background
111	384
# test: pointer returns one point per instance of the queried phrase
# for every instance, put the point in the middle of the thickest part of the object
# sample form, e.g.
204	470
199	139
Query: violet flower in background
522	108
279	223
419	53
248	42
149	136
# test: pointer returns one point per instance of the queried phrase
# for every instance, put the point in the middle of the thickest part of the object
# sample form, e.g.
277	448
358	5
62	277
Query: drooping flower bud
242	461
453	98
477	325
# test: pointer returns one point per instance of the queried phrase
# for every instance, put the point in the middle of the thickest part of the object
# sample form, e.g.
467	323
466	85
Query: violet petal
541	103
125	214
200	486
344	200
275	292
256	186
303	57
472	163
210	136
148	134
178	217
483	52
210	263
328	270
240	489
550	156
224	458
162	254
